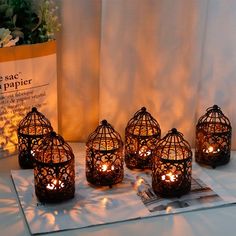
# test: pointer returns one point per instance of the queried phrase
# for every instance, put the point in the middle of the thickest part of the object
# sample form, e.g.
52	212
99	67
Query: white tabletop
216	221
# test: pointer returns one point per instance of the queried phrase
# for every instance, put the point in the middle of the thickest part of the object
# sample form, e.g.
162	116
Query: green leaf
8	24
17	33
3	8
9	12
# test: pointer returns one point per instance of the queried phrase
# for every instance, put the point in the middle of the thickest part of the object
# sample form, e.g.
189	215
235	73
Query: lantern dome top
54	149
34	123
214	121
104	138
143	124
173	146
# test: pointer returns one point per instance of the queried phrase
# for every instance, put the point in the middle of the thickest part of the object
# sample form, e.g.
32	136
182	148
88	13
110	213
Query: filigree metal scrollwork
141	135
104	156
31	131
172	165
213	138
54	173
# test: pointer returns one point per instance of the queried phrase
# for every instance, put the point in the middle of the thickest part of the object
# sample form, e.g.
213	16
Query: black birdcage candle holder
54	174
213	138
31	131
172	166
141	135
104	156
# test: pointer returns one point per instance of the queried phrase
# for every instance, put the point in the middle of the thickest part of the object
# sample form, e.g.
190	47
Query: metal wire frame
172	165
54	174
213	138
104	156
141	135
31	131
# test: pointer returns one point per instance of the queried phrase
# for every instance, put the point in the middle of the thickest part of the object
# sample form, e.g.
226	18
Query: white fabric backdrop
175	57
218	77
78	63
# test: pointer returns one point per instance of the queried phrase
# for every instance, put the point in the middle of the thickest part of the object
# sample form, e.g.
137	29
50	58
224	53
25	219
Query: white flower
12	42
6	38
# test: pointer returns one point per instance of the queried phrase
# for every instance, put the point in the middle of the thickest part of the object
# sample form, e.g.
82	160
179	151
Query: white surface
90	206
94	206
217	221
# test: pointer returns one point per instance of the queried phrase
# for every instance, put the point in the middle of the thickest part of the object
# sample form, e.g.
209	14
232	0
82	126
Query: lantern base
54	196
26	160
133	161
213	161
171	192
104	180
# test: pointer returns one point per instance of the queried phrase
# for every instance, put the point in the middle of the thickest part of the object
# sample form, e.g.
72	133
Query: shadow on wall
147	60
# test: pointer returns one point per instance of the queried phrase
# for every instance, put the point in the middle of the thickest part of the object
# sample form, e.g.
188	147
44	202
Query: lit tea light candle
211	150
32	153
169	177
105	168
55	184
144	152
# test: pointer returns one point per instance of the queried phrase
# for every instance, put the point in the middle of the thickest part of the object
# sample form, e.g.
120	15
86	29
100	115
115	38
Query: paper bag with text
28	78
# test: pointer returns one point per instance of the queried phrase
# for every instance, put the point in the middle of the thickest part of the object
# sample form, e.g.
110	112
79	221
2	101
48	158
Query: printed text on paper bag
13	82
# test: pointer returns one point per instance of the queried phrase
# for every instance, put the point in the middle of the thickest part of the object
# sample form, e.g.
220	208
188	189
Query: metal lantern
104	156
141	135
31	131
54	174
172	165
213	138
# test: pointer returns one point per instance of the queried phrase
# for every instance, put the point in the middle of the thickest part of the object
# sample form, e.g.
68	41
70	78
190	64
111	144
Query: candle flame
210	149
104	167
54	183
107	168
144	152
169	177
